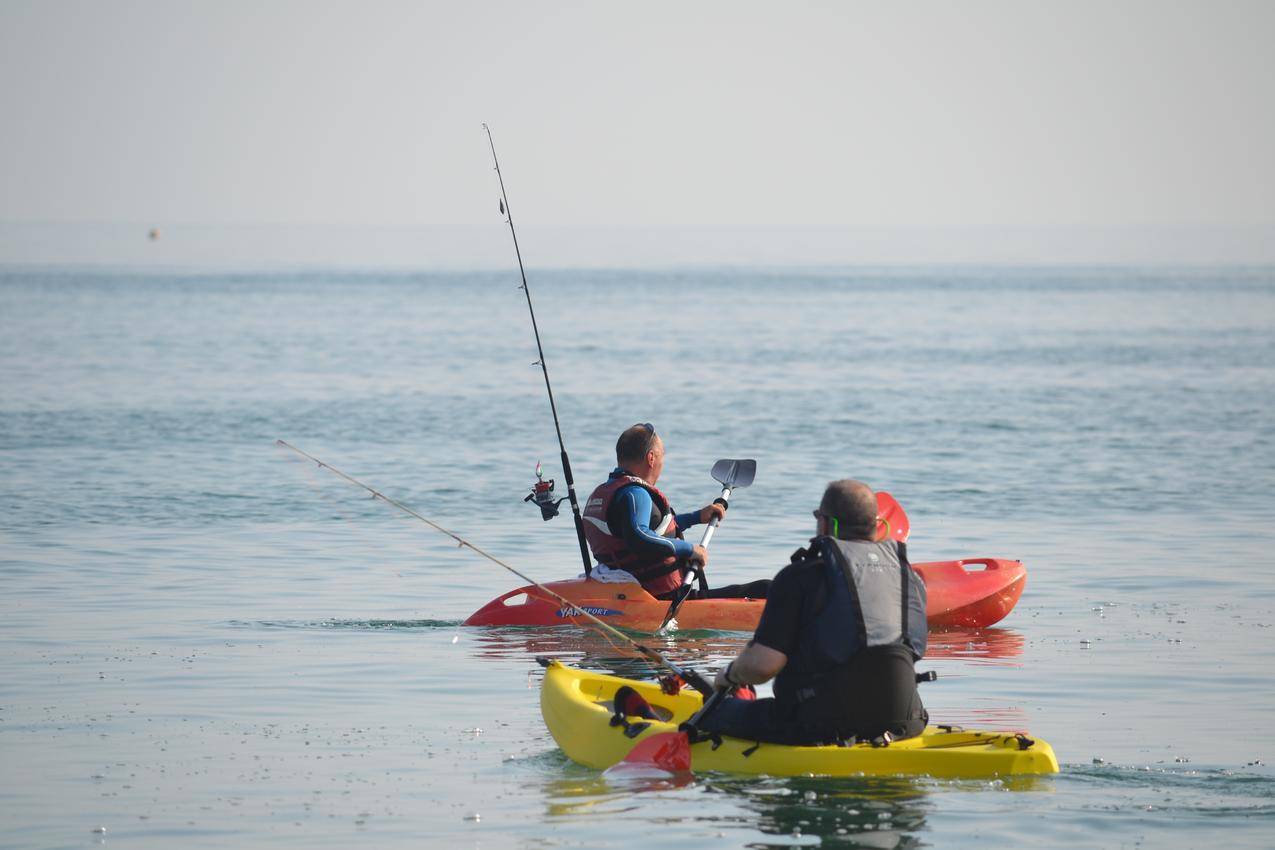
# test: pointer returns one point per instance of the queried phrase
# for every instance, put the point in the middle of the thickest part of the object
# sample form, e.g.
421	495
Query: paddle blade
670	751
896	520
734	473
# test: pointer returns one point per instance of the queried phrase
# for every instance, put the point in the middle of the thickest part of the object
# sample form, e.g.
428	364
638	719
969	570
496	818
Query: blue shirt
630	520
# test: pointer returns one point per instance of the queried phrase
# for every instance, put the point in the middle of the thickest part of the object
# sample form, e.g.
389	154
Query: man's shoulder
801	565
809	555
627	498
632	489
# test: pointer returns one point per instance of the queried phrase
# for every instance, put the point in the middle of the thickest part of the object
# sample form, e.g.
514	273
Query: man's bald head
855	507
634	443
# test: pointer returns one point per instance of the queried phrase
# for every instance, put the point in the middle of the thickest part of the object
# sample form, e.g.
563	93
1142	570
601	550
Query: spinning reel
542	495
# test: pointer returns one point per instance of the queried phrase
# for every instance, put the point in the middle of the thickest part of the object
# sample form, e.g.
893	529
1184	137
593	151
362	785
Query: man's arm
756	664
633	508
776	636
687	519
703	515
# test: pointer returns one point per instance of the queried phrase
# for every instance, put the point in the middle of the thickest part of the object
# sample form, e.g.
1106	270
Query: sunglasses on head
650	430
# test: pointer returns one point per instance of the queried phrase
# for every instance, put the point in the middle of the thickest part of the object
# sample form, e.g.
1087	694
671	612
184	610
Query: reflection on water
865	812
608	792
598	649
1012	718
775	812
356	625
765	812
991	645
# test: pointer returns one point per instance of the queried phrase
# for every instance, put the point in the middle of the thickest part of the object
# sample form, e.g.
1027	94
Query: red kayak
972	593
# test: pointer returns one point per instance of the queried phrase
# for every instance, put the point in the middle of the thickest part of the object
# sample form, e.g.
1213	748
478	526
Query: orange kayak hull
972	593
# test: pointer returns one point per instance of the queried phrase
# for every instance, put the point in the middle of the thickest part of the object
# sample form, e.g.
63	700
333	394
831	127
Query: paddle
731	474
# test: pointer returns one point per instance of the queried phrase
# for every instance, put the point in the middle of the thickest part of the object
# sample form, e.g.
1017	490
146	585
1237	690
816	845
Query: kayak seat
627	702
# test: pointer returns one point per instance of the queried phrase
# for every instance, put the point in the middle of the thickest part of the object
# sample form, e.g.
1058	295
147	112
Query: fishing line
692	678
339	507
351	512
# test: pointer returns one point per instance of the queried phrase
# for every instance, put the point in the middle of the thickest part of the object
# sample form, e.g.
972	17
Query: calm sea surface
209	644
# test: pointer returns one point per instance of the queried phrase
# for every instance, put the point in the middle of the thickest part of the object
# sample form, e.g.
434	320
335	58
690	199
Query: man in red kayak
631	527
842	630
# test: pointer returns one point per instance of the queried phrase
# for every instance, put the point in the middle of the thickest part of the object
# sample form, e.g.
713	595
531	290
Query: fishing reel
542	495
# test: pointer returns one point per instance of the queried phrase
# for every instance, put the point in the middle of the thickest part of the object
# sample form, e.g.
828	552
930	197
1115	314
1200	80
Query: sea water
209	643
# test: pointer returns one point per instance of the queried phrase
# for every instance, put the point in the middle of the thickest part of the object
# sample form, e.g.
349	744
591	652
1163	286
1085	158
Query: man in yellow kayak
631	527
842	630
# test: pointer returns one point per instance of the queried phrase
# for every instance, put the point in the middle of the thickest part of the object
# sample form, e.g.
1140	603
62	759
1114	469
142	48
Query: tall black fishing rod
692	678
542	492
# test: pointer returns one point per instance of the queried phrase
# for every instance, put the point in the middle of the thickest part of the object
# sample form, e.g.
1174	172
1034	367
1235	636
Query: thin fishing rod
692	678
566	463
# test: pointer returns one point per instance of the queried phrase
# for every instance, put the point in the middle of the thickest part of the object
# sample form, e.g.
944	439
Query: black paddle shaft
691	725
566	464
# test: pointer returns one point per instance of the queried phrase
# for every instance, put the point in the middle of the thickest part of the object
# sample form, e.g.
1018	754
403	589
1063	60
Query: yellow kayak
577	707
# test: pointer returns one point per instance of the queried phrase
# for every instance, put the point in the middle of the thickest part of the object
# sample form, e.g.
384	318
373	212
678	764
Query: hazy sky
740	114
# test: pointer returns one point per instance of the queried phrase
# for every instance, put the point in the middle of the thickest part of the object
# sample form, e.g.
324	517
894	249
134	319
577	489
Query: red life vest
659	575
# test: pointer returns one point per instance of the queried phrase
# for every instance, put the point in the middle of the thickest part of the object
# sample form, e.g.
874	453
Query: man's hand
754	665
699	555
719	681
708	512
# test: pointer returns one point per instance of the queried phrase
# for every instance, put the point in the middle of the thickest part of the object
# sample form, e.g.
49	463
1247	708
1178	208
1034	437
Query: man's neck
628	471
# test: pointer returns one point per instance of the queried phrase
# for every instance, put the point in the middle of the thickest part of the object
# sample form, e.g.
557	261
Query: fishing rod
692	678
542	492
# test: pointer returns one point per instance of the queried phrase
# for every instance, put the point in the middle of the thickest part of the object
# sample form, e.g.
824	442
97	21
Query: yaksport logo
571	611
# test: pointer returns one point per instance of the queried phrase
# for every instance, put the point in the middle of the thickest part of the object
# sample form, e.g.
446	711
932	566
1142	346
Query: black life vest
657	575
853	673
